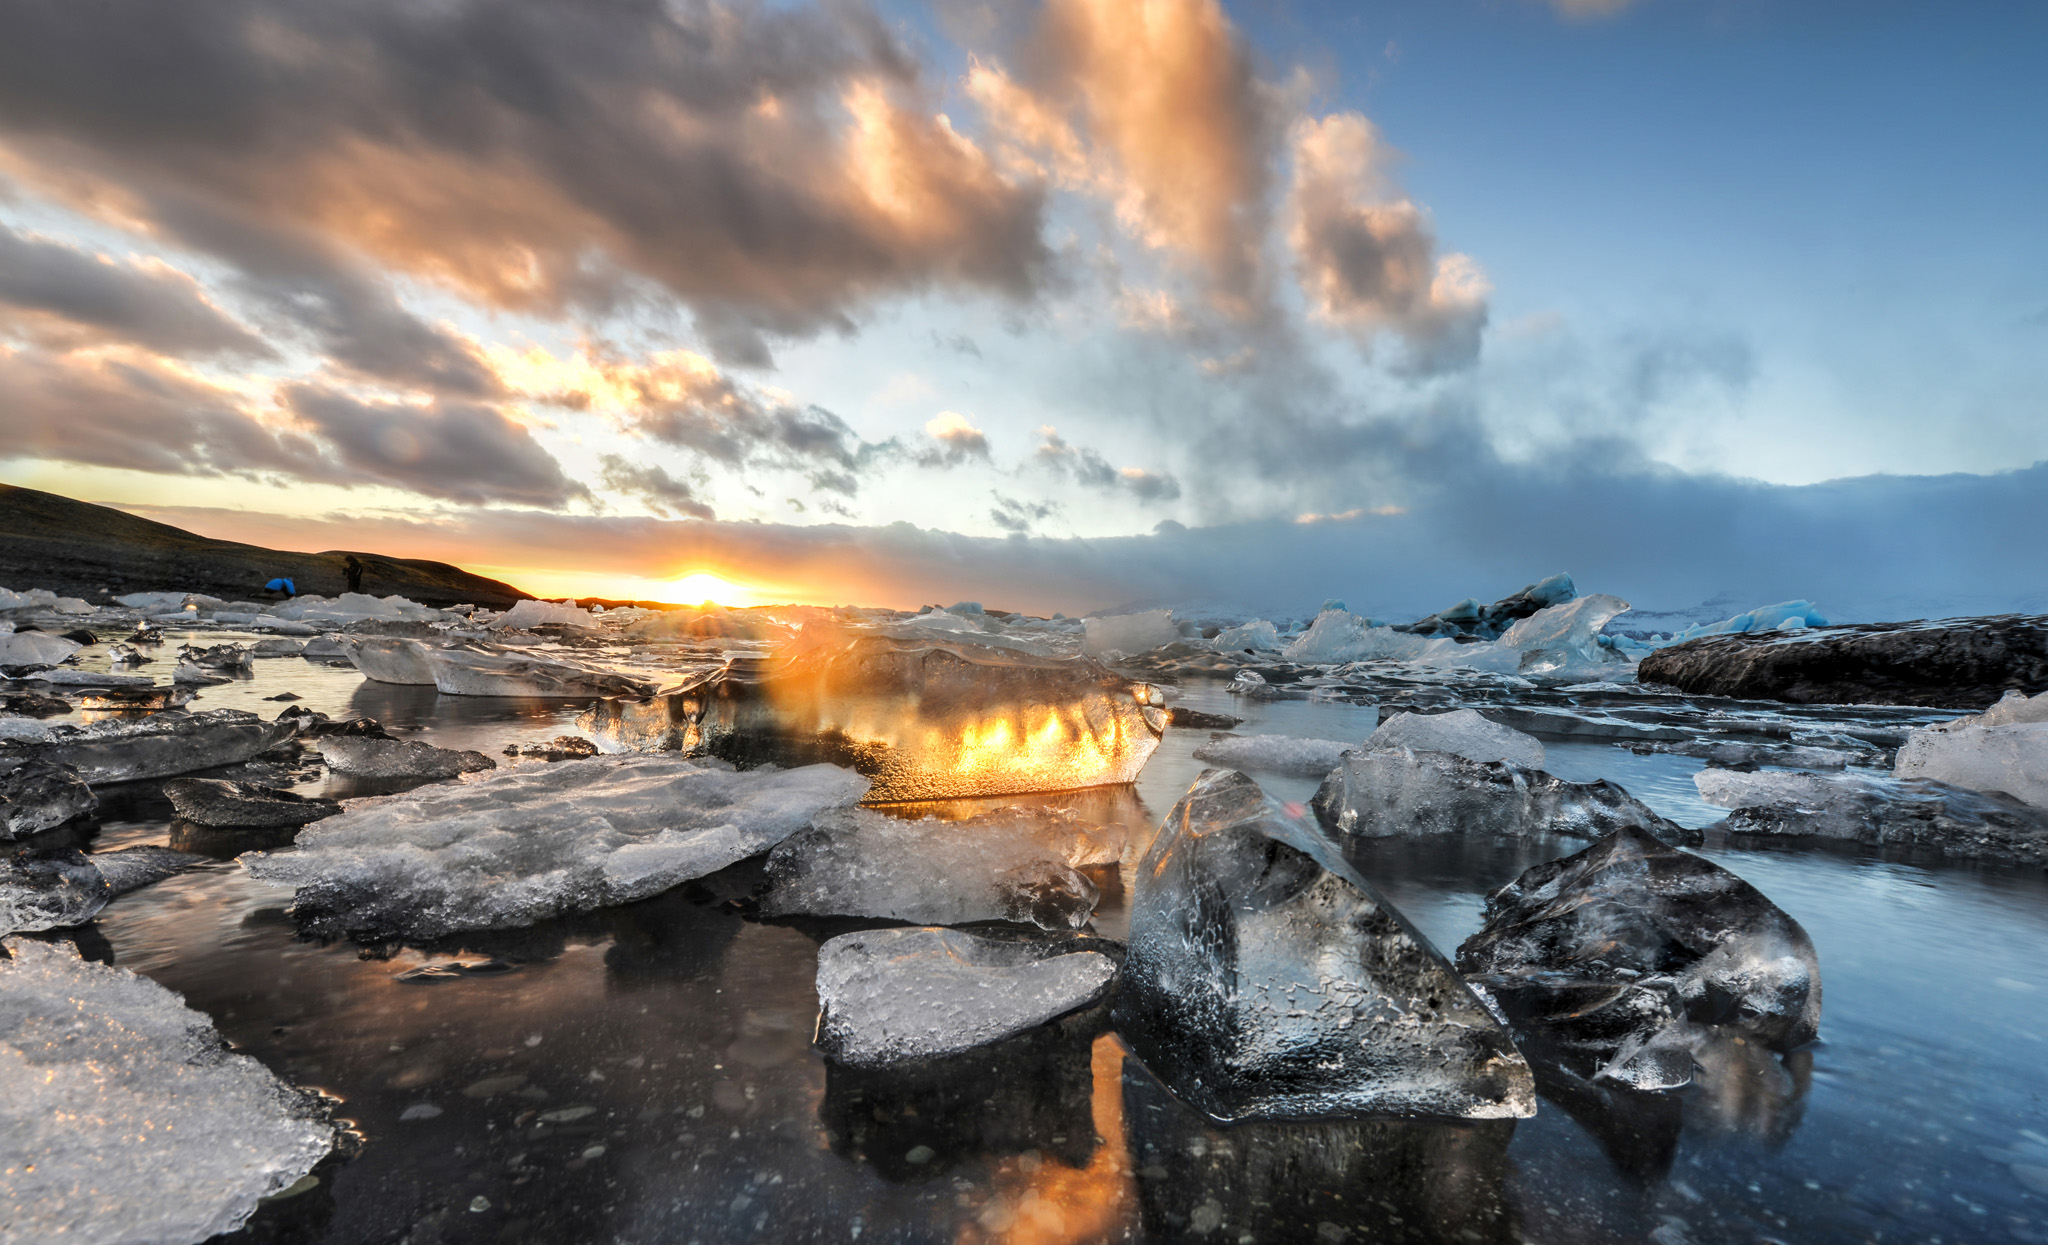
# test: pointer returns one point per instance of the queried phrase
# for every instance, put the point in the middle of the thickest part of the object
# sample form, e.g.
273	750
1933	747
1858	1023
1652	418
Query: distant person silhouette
354	570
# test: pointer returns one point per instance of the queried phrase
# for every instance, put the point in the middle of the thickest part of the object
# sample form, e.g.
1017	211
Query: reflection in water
1420	1180
228	842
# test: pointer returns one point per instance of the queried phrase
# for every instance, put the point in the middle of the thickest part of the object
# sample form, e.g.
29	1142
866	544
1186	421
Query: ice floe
1398	793
1463	732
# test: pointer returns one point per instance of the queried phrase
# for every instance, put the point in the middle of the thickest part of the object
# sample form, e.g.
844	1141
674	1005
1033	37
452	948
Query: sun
701	586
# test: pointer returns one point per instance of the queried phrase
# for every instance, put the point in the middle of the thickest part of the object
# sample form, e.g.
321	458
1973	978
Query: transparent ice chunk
1257	635
40	795
924	718
1014	864
1462	731
1876	809
123	1117
1275	754
2012	758
390	659
1393	793
216	802
158	746
1266	979
35	648
892	995
1129	633
528	843
366	756
470	671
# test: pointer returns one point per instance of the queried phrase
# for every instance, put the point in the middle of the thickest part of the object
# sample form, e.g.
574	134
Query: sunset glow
701	586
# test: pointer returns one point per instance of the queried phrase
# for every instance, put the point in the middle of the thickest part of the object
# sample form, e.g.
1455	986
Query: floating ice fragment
542	613
1461	731
216	657
41	795
1266	979
471	671
1257	636
123	1117
1397	793
1129	633
1871	808
898	994
1276	754
924	718
49	890
1784	616
35	648
1603	949
1015	864
2012	758
528	843
366	756
156	747
214	802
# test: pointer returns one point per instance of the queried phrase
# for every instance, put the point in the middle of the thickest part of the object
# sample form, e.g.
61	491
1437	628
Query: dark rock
215	802
1630	951
1397	793
1958	663
1266	979
313	724
42	795
1195	719
82	636
285	696
34	705
372	756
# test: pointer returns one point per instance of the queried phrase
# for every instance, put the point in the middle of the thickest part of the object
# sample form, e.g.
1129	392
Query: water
645	1073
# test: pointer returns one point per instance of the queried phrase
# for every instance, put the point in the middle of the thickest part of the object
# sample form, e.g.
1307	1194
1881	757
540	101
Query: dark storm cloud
1088	467
138	415
1017	516
66	295
464	452
770	167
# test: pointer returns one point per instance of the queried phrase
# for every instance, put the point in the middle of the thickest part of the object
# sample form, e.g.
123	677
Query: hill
78	549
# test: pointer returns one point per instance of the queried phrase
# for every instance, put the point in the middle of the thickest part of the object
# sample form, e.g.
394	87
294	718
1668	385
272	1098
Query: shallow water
646	1074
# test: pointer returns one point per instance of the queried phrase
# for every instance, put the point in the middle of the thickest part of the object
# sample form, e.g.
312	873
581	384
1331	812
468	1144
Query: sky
1058	306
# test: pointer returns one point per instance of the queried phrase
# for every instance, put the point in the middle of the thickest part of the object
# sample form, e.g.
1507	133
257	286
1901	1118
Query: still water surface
645	1073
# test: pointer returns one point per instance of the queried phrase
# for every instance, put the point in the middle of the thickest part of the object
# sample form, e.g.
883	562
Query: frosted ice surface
2012	709
369	757
217	656
1267	979
40	795
49	890
540	613
1129	633
895	994
1258	635
1392	793
215	802
1870	808
35	648
353	607
1630	936
277	647
1014	864
1462	731
389	659
477	672
924	718
159	746
122	1115
2010	758
1275	754
528	843
132	868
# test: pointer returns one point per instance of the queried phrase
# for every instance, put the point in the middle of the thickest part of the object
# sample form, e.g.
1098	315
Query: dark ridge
75	548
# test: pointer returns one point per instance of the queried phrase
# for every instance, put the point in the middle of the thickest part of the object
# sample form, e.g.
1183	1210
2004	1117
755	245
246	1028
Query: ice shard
123	1117
215	802
366	756
1015	864
41	795
891	995
1275	754
1461	731
1395	793
472	671
528	843
160	746
1606	950
1266	979
390	659
925	718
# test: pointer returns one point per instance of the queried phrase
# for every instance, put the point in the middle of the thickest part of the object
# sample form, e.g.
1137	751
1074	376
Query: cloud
1017	516
1875	547
958	440
1589	9
1154	105
662	492
64	296
772	168
1087	467
1365	254
460	451
133	411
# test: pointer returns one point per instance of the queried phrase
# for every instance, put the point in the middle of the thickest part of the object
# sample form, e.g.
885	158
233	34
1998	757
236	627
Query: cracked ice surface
1266	979
522	845
1015	864
123	1117
894	994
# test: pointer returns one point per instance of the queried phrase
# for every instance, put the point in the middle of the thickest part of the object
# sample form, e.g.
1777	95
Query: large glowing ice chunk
522	845
1267	979
123	1117
925	718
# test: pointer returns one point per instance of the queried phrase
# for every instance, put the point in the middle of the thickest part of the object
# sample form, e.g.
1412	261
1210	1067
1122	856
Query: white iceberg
890	995
543	613
525	844
1462	731
123	1115
1129	633
1784	616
